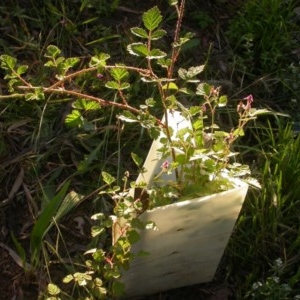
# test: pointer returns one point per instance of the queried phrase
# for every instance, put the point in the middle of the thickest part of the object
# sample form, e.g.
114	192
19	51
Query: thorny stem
89	97
174	56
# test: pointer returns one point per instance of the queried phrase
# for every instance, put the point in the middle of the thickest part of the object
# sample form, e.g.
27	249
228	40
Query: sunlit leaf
52	51
157	34
138	49
222	101
114	85
99	60
68	278
127	116
86	104
156	53
53	289
152	18
140	32
107	178
74	119
119	73
170	86
193	71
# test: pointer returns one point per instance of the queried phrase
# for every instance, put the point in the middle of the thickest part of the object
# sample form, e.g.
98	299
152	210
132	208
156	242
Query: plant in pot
188	186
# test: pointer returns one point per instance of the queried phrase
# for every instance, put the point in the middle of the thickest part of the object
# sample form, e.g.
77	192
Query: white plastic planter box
191	237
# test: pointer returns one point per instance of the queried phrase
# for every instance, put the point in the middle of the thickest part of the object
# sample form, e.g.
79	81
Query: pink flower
165	165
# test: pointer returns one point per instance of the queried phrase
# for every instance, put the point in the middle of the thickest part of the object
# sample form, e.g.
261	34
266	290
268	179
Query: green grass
268	226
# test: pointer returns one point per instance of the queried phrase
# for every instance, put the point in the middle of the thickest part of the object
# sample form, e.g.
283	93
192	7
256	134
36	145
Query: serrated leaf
203	89
114	85
86	104
99	60
165	63
52	51
22	69
53	289
239	132
107	178
74	119
152	18
193	71
119	73
157	34
182	73
138	49
150	102
140	32
8	62
68	278
156	53
124	86
70	62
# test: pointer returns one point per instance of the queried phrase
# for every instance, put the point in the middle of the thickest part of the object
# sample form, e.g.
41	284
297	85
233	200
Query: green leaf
193	71
165	63
53	289
97	230
119	73
157	34
138	49
99	255
239	132
129	117
114	85
222	101
156	53
150	102
99	60
22	69
152	18
86	104
52	51
41	225
8	62
137	160
133	236
74	119
70	62
68	278
173	2
38	94
140	32
107	178
170	86
124	86
203	89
